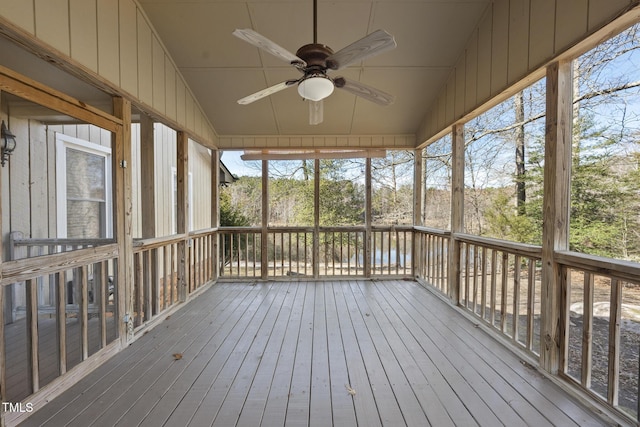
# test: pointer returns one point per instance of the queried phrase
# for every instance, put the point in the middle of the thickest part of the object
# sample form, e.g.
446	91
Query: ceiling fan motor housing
314	55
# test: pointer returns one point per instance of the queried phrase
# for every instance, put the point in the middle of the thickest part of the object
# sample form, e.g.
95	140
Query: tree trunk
521	191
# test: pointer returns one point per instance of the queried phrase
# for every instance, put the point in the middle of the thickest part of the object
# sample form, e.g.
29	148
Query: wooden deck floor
341	353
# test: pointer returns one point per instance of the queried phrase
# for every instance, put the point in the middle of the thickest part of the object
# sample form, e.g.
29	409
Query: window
83	178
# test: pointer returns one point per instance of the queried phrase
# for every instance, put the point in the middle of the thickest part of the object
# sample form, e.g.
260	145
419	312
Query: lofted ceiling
220	69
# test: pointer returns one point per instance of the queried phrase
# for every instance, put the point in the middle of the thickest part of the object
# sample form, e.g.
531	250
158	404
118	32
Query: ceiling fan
314	61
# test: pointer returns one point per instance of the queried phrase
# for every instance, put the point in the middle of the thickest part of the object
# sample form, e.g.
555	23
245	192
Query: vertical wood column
555	229
147	177
264	233
3	291
150	286
182	172
315	259
367	218
215	210
123	208
457	210
417	255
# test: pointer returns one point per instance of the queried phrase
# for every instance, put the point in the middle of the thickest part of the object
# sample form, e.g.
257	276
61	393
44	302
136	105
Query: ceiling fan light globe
315	88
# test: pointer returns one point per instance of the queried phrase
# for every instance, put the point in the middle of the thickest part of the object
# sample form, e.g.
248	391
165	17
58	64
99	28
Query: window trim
62	143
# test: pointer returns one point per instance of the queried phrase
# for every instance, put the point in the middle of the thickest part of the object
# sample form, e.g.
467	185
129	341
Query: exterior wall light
8	143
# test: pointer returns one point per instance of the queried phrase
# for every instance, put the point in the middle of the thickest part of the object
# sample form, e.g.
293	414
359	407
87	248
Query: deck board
287	354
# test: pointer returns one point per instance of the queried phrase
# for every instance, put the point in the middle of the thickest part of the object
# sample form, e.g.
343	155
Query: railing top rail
31	268
310	229
429	230
155	242
202	232
523	249
303	229
250	229
392	227
60	242
625	270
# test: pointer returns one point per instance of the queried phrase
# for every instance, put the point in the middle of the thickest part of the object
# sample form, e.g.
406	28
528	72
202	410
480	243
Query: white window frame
62	143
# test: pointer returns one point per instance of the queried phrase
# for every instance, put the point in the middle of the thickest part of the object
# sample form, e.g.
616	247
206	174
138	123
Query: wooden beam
311	155
555	230
147	177
28	89
123	209
457	210
182	172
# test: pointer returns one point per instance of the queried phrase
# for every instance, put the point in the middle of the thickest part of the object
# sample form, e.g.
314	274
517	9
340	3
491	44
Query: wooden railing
602	327
67	290
158	269
60	298
64	307
297	252
240	254
432	257
500	284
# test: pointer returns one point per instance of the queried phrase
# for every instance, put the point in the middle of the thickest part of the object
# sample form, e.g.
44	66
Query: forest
504	164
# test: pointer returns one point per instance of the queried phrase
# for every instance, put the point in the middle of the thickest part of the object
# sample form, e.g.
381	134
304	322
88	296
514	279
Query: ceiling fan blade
364	91
266	92
267	45
316	112
373	44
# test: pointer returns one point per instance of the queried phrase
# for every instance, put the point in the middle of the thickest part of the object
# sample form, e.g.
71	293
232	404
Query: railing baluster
147	285
483	283
474	302
103	291
494	286
516	298
503	295
531	283
61	317
84	311
587	330
239	251
32	334
466	274
614	341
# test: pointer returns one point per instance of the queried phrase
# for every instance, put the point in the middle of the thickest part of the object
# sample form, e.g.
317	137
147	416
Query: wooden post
182	172
123	207
315	259
416	255
3	307
555	229
148	214
367	218
457	210
264	233
147	177
215	210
